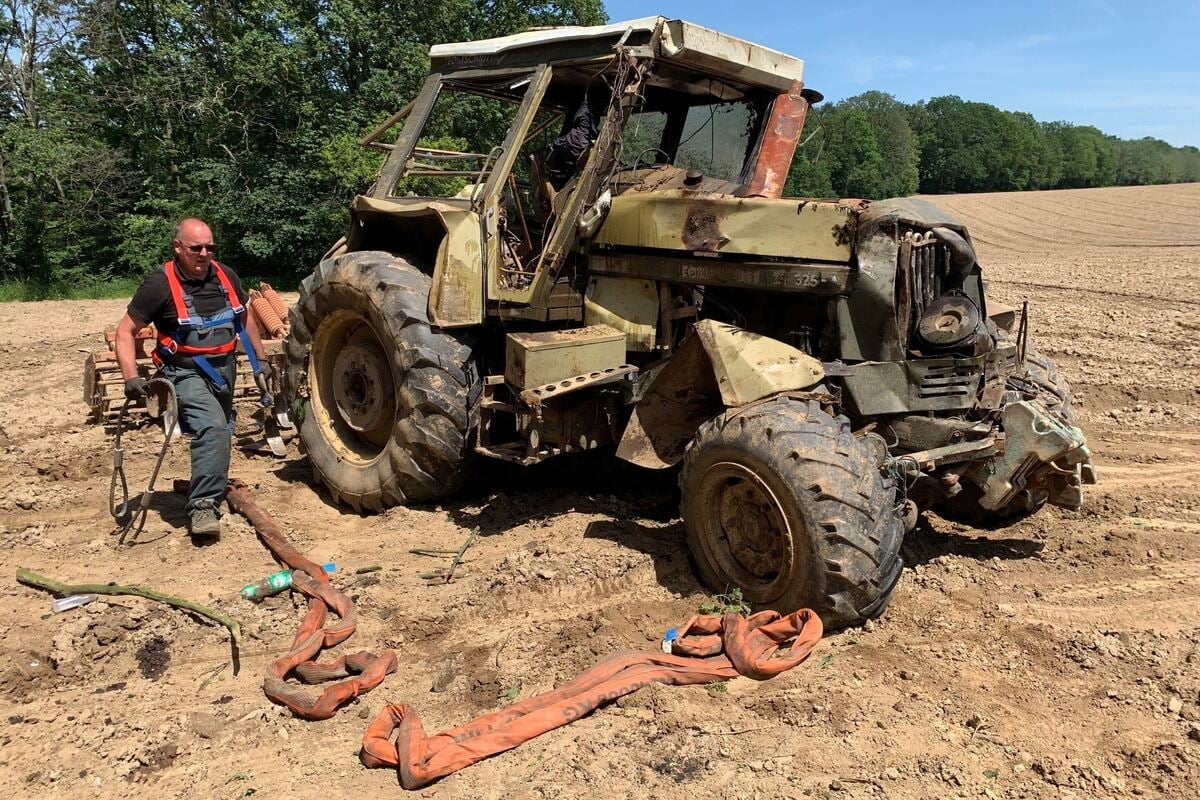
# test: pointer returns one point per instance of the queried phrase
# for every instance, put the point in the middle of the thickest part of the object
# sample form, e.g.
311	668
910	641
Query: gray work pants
206	413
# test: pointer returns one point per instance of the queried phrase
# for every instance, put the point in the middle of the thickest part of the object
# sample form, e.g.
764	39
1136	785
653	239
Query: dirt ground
1058	658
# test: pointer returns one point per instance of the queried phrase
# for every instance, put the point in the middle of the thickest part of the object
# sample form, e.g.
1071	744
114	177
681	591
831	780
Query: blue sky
1131	69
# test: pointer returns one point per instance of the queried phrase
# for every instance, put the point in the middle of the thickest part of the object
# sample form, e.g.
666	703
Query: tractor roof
681	43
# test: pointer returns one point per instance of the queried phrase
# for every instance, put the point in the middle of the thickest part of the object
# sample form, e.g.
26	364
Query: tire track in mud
1099	234
1167	435
1107	223
1016	222
1051	287
1161	524
1158	597
1113	210
1125	476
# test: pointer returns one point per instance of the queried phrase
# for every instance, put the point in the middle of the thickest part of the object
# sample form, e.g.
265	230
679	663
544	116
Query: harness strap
199	362
187	315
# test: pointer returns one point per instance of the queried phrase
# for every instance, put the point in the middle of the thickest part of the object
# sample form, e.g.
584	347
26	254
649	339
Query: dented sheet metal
678	220
749	366
456	298
719	366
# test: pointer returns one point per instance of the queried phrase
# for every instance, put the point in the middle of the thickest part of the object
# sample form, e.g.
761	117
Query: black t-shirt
152	302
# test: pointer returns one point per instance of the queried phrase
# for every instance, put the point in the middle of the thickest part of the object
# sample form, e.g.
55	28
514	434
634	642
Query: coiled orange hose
362	671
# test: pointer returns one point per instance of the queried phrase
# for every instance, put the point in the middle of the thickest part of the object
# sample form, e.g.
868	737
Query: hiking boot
203	522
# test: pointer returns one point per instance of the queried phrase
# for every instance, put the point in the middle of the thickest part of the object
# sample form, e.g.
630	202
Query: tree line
118	117
874	146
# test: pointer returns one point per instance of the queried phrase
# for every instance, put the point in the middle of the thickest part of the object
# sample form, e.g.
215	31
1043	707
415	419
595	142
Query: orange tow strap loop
714	647
368	670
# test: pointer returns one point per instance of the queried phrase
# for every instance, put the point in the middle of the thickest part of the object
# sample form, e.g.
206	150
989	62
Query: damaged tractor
578	240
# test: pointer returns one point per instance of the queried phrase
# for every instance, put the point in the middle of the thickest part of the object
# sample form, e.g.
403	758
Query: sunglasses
196	248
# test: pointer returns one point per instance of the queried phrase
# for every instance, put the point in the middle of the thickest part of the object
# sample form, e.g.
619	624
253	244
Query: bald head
193	247
192	226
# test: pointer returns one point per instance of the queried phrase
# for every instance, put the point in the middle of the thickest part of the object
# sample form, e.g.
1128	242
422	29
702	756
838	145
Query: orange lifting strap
710	648
362	670
714	647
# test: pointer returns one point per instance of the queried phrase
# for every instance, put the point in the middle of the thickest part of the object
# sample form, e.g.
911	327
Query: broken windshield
462	139
714	138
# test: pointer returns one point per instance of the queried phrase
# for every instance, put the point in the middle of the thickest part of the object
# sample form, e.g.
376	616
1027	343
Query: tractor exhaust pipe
780	140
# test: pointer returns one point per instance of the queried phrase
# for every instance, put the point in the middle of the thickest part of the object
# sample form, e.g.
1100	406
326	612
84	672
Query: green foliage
725	603
809	175
111	289
861	147
128	116
1088	156
976	147
874	146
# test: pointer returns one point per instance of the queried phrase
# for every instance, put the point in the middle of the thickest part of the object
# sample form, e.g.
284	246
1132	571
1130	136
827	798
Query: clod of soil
153	658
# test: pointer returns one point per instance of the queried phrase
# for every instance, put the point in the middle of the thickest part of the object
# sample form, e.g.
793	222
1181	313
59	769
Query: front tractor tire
784	503
388	404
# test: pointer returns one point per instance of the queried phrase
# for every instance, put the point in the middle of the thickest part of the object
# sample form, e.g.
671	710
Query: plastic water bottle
275	583
72	601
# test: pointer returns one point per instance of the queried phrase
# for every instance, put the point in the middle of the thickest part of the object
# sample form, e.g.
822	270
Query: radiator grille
949	381
923	261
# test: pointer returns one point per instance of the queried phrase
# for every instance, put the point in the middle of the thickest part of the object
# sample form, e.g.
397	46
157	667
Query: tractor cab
511	154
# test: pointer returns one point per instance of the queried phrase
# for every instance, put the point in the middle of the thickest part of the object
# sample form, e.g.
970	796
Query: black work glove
135	388
265	369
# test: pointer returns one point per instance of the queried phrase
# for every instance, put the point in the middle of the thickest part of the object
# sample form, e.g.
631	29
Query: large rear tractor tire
387	403
1054	393
783	503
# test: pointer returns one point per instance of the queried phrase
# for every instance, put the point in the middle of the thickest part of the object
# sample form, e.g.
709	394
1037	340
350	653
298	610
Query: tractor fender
445	234
718	367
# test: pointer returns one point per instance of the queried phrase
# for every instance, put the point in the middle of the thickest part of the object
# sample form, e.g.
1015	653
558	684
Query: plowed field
1057	658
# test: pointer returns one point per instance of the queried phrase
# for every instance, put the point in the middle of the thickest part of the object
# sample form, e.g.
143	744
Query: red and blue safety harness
189	320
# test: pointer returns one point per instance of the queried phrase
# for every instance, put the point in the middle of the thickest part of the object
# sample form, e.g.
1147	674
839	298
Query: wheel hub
753	525
362	387
746	534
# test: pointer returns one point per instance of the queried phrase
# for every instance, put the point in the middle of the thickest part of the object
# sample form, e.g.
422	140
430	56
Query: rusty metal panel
719	366
536	359
709	50
630	305
749	366
456	297
820	230
823	279
898	387
678	41
778	146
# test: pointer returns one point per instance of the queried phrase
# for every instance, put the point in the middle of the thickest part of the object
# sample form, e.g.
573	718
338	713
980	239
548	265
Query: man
197	357
566	152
